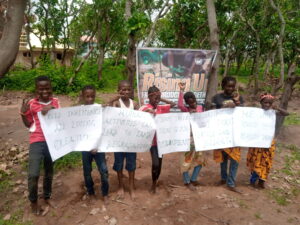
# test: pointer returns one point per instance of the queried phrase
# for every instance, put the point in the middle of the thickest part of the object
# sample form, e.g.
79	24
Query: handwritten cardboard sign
72	129
126	130
173	132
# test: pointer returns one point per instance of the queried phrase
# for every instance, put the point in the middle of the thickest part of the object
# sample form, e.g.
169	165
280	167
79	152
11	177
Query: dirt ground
173	204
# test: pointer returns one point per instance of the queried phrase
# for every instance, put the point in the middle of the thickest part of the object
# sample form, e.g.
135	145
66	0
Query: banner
83	128
238	127
165	68
72	129
173	132
126	130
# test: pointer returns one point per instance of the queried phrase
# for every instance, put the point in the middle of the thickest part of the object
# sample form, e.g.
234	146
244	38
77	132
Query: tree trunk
9	43
286	95
227	53
100	62
131	60
131	54
268	64
84	58
256	67
214	41
280	39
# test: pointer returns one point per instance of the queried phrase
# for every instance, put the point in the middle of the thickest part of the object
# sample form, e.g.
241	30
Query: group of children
259	160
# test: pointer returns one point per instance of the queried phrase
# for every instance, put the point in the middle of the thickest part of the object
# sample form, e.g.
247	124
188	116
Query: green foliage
292	119
72	160
138	21
20	79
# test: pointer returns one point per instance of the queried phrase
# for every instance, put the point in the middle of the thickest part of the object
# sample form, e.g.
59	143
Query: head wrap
266	95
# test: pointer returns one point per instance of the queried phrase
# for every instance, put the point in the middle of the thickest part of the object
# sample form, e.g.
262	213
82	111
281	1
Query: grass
5	181
15	219
292	119
258	215
279	196
289	174
69	161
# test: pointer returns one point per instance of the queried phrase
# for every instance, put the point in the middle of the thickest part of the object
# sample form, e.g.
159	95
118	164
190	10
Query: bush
21	79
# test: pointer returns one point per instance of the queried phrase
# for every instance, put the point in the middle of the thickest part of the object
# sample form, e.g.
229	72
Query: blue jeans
254	177
229	178
186	177
39	152
87	158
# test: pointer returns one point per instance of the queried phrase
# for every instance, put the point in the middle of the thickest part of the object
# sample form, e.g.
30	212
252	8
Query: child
154	97
38	149
228	99
124	101
191	159
259	160
88	95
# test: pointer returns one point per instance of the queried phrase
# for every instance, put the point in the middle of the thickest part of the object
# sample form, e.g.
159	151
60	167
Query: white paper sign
126	130
253	127
72	129
212	129
173	132
238	127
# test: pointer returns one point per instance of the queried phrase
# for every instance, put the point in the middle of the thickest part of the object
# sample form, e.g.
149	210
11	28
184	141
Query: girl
228	99
259	160
154	96
191	159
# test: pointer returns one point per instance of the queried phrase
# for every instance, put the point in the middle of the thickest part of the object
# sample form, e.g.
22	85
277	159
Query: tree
9	42
214	41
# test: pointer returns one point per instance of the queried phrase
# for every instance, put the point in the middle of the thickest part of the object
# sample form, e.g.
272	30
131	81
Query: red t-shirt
160	109
36	133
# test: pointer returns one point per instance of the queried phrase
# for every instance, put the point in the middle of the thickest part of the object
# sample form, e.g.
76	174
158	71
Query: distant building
24	54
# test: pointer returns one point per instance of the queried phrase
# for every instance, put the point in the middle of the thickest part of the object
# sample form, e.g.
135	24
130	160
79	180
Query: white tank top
131	106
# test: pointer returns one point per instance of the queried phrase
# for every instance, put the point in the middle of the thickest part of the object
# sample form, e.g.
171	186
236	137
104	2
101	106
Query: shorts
130	161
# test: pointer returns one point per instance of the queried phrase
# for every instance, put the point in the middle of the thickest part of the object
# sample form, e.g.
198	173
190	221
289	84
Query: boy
38	150
88	95
124	101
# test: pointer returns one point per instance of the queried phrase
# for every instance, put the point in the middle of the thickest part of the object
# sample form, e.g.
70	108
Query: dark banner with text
165	68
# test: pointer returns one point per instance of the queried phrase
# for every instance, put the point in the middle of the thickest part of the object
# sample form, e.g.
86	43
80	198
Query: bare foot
132	195
153	188
190	186
35	208
50	203
105	200
120	194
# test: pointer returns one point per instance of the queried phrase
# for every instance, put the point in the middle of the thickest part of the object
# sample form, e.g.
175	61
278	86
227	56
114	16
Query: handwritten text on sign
173	132
72	129
126	130
226	128
212	129
255	127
